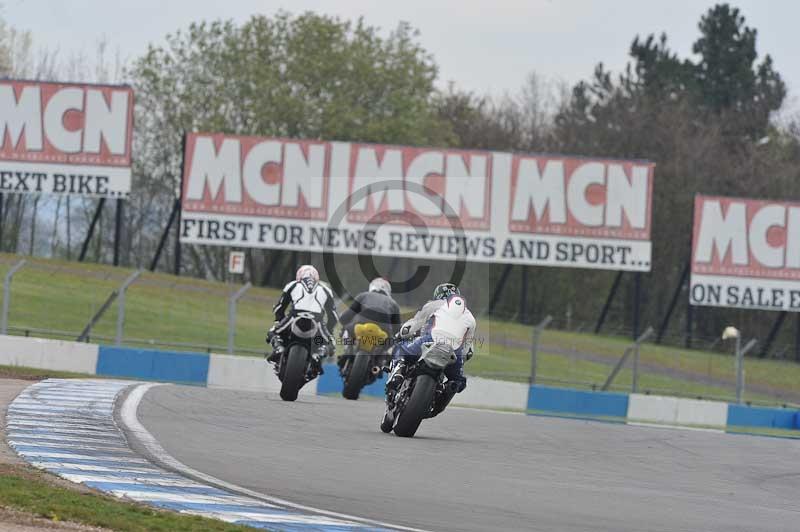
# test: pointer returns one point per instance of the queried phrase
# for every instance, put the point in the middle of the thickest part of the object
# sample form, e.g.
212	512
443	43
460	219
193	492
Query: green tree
726	81
307	76
705	122
727	75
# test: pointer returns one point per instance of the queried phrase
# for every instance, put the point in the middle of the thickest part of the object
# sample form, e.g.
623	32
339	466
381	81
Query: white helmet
379	284
308	275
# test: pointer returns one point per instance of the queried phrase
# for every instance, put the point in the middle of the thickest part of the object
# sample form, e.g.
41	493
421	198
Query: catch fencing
111	306
89	303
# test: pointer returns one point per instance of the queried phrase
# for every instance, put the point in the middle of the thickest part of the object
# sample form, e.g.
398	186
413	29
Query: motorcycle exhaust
376	370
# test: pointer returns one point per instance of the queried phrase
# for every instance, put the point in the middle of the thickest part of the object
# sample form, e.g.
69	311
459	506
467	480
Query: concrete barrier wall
149	364
577	403
479	393
491	393
676	411
247	373
652	409
330	383
751	416
694	412
252	373
40	353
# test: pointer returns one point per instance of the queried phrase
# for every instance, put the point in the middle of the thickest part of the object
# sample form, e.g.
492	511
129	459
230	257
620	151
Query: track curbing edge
156	453
69	427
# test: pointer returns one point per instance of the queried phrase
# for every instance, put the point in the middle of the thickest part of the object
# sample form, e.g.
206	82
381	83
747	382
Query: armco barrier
577	403
251	373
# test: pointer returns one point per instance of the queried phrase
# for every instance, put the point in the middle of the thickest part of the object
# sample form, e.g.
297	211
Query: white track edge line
130	419
670	426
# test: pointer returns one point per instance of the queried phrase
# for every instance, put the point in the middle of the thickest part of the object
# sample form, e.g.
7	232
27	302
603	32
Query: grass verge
28	491
774	433
35	374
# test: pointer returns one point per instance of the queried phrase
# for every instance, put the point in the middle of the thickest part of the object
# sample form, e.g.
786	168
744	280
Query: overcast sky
484	46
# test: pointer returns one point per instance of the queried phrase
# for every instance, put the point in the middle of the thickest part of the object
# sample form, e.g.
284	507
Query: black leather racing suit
370	307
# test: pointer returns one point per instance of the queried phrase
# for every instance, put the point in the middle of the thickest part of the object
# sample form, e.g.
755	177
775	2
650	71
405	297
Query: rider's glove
468	354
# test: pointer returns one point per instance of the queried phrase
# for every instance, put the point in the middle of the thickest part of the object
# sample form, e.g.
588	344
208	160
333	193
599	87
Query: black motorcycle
300	361
423	393
368	360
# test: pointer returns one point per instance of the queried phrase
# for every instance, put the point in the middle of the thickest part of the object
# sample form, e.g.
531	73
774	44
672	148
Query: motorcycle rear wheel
357	376
294	373
417	407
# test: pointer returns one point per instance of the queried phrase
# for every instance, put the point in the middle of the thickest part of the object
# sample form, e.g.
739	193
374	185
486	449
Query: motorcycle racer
307	295
444	319
373	306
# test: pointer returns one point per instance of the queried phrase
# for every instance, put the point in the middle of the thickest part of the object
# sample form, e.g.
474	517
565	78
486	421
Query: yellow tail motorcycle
370	356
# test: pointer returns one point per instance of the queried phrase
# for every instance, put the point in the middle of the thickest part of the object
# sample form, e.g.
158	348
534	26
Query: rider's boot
443	398
277	349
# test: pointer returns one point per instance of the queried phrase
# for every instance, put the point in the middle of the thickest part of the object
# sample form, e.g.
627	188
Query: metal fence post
633	348
537	332
738	367
740	353
7	294
232	315
636	348
121	298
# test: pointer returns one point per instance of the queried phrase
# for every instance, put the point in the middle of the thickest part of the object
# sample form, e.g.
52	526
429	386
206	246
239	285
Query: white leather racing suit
444	320
319	303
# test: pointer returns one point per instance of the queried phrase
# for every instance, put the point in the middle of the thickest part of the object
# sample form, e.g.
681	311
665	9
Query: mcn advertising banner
60	138
746	254
416	202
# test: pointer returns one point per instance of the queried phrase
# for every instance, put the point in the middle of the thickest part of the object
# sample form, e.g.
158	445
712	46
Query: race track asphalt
471	470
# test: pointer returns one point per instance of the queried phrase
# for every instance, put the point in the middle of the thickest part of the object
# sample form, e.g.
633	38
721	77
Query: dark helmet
445	290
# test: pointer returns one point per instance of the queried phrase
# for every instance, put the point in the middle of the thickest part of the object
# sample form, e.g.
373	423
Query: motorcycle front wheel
387	423
417	407
294	374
